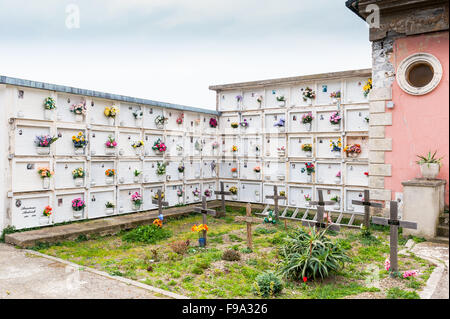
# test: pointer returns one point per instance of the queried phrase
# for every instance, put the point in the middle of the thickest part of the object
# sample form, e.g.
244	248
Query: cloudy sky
172	50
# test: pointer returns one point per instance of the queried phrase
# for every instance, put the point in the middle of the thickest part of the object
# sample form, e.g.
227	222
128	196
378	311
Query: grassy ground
201	273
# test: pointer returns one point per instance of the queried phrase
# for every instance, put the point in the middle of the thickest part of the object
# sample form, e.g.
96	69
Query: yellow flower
80	133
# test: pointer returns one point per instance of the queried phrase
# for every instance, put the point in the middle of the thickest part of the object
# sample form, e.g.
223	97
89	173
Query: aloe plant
429	159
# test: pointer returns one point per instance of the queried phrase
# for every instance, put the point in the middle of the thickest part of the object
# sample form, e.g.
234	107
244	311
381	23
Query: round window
419	73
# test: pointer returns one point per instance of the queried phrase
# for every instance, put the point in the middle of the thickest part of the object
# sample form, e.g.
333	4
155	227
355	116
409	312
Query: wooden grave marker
394	224
249	220
367	204
160	202
204	211
275	198
223	193
318	222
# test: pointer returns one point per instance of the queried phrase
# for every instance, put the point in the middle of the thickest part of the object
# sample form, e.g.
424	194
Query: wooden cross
367	204
319	217
249	220
275	198
223	193
394	223
159	202
204	211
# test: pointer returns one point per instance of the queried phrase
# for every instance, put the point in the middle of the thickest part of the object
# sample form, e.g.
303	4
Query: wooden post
249	220
319	216
159	202
367	204
223	193
204	211
275	198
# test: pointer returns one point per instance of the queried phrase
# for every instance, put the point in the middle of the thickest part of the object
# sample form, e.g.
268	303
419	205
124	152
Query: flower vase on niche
48	115
136	199
79	110
337	178
46	183
138	146
45	174
43	143
78	206
78	182
109	176
350	208
307	121
281	101
309	178
138	114
234	172
336	199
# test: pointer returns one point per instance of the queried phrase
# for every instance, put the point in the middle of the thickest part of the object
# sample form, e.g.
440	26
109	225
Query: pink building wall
419	123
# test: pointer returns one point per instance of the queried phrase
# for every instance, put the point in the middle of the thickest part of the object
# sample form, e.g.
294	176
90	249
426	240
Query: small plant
78	204
352	149
158	223
196	192
179	119
207	193
111	111
306	147
45	172
309	168
234	170
215	145
234	125
231	255
109	205
161	168
138	113
335	199
111	142
308	93
267	285
367	87
159	146
397	293
307	118
78	173
79	108
212	122
137	173
244	123
45	140
137	144
281	98
282	193
180	192
156	196
180	247
335	95
257	169
136	198
79	140
336	145
148	234
233	190
367	119
47	211
234	149
429	159
110	172
199	228
239	98
270	218
335	118
181	168
160	120
260	99
49	103
307	197
280	123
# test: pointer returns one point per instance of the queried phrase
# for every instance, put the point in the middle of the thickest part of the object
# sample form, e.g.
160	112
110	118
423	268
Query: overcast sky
172	50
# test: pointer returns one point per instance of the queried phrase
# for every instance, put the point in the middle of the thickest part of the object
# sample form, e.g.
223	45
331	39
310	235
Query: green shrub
265	231
149	234
310	254
7	230
397	293
267	284
231	255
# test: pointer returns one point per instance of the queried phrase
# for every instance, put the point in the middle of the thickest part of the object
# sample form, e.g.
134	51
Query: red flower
305	279
366	173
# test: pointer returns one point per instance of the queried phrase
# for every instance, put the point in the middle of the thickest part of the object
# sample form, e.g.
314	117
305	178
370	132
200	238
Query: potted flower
43	143
138	114
110	173
366	174
367	88
308	95
335	96
179	149
198	147
367	119
159	147
429	165
337	178
180	171
335	120
281	101
180	193
196	194
137	175
233	190
257	171
239	99
78	176
352	150
78	206
307	200
136	200
137	146
280	125
110	146
79	110
234	172
270	218
45	218
282	194
207	193
234	124
307	120
160	121
109	208
260	99
244	123
110	113
49	106
79	143
179	119
336	147
214	147
202	228
212	122
336	199
307	148
161	170
257	150
234	149
45	174
281	151
309	169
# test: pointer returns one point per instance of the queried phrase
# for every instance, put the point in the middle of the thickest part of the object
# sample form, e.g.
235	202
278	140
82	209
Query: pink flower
114	144
409	273
387	264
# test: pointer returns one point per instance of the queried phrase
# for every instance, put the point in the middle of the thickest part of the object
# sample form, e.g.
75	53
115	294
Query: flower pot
121	180
281	129
308	127
337	154
281	153
111	121
180	199
334	100
121	151
48	115
196	199
336	206
180	175
109	211
257	175
160	126
109	180
78	182
78	117
136	206
309	178
309	102
43	150
180	153
146	179
429	170
46	183
137	179
336	127
351	208
307	203
110	151
281	103
280	177
138	121
235	175
44	220
138	151
202	242
157	152
161	178
337	180
234	197
308	153
78	214
79	150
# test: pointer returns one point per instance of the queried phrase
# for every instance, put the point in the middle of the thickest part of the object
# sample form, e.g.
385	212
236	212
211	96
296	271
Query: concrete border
104	274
